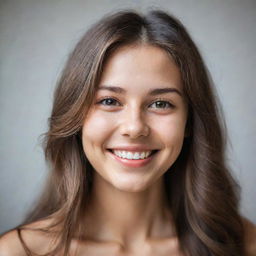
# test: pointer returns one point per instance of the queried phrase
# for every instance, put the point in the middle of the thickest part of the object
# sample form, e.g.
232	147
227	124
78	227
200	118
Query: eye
109	102
161	104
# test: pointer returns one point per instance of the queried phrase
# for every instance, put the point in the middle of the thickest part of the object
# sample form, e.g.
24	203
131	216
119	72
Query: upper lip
133	148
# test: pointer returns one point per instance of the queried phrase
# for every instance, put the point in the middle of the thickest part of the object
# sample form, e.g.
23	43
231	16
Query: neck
123	217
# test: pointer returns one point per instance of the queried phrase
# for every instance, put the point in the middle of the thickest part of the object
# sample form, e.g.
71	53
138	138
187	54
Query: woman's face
135	128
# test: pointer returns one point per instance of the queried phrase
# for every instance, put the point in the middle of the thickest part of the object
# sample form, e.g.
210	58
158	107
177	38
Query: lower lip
133	162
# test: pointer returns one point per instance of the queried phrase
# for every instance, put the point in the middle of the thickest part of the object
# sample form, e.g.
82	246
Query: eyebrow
153	92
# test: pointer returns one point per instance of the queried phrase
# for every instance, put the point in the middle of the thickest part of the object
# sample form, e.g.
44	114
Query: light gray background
37	35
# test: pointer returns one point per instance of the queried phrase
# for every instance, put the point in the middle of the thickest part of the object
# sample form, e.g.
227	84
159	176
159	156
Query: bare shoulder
10	244
36	240
250	237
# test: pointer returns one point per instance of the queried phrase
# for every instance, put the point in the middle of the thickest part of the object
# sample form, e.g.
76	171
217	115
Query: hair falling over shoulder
202	194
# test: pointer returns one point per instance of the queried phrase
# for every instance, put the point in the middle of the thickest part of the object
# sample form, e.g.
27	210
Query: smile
133	158
132	155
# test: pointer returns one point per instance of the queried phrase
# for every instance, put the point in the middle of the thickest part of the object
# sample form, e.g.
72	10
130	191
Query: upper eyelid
162	99
166	101
148	104
106	97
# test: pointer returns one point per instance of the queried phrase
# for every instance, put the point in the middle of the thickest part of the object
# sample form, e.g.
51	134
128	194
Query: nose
134	125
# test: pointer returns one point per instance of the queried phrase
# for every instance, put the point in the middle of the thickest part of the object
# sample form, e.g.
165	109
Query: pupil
108	101
160	104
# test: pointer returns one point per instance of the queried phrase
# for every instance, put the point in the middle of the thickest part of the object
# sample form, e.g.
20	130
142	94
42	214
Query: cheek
170	129
96	129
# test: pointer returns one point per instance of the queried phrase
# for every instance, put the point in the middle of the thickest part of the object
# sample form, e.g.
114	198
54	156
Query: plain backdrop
35	39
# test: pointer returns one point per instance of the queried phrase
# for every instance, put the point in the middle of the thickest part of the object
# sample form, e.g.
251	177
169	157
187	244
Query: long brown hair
202	195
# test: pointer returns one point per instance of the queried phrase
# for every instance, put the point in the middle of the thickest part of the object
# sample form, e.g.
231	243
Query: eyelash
113	99
105	99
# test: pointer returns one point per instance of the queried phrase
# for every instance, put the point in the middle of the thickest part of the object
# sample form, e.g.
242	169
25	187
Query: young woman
136	148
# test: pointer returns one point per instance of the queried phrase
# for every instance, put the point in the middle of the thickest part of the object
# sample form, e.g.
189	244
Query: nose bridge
134	123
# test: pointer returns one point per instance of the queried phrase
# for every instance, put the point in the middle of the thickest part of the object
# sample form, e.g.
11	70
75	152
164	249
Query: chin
131	185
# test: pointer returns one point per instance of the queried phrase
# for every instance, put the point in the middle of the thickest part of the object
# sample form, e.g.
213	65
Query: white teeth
128	155
132	155
137	155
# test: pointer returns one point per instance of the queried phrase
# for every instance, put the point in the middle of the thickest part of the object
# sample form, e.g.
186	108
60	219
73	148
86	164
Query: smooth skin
139	106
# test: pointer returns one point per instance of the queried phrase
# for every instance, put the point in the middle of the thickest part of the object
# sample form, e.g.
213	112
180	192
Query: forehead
140	65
